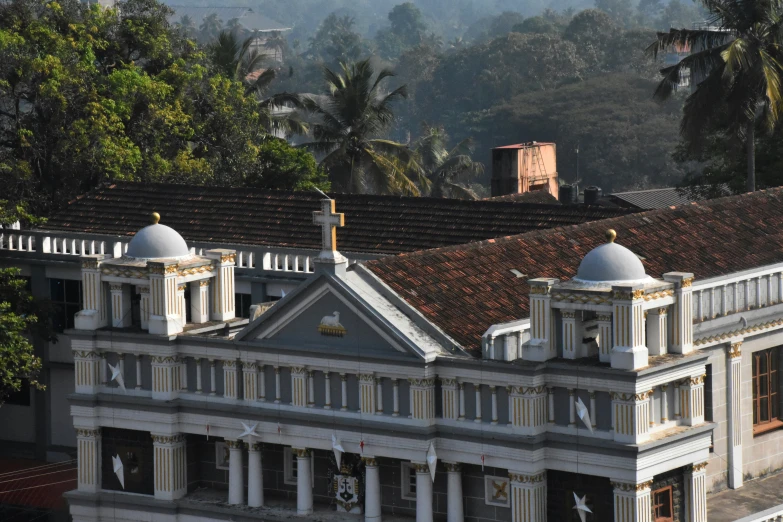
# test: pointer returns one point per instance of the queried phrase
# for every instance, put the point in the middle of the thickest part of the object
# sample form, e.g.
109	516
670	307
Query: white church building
615	370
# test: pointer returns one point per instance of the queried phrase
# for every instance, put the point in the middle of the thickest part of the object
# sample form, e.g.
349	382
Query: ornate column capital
697	467
735	350
453	467
370	461
421	468
234	444
88	432
631	487
527	479
301	453
168	439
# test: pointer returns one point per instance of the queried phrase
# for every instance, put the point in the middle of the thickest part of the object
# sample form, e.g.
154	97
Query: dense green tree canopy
90	95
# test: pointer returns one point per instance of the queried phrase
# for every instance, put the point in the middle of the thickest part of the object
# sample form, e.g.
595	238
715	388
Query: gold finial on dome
155	218
610	235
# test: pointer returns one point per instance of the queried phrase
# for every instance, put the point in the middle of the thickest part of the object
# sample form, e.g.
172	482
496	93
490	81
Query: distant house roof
467	288
536	196
374	224
650	199
249	19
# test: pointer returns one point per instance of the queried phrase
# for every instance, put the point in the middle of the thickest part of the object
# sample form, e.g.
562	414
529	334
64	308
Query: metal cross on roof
329	220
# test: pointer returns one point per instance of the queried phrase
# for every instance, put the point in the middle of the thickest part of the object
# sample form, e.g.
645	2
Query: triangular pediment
326	313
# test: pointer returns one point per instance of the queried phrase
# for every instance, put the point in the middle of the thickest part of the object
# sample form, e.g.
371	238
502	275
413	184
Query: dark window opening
20	397
66	296
242	304
708	394
765	391
662	505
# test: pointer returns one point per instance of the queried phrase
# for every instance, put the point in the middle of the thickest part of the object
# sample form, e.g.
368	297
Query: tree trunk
750	136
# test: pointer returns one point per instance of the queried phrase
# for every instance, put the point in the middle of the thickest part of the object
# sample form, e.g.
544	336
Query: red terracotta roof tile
708	238
36	484
374	224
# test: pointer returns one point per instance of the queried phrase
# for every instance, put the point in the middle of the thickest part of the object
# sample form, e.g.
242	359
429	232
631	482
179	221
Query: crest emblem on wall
330	325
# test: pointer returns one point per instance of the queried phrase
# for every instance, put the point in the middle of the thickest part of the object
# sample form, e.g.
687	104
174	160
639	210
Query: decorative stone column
87	371
298	386
692	400
199	301
223	288
170	462
255	477
664	403
528	497
278	397
310	389
230	384
477	388
236	477
605	338
449	398
422	398
454	502
657	333
88	449
379	395
164	319
327	390
541	346
120	305
632	502
93	314
183	316
144	306
734	402
572	334
372	490
423	493
262	383
250	381
629	351
571	408
696	492
165	377
343	392
366	393
304	482
682	311
528	409
461	401
631	414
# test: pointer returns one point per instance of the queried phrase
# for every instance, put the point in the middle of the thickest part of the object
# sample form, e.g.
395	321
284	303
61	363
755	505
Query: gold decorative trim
249	366
203	283
448	382
687	282
694	381
628	296
422	382
234	444
528	390
229	364
631	487
735	350
527	479
698	467
127	273
115	287
88	432
301	453
144	289
738	333
86	355
568	314
540	289
196	270
181	287
160	359
422	468
228	258
582	298
89	264
659	295
453	467
298	370
168	439
605	318
161	269
617	396
332	331
370	461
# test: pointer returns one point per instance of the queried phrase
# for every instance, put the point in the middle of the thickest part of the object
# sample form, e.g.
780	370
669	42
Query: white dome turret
611	263
157	241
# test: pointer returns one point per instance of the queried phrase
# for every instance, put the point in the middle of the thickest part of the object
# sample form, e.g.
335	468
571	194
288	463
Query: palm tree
443	167
210	27
278	43
238	61
187	24
350	121
738	56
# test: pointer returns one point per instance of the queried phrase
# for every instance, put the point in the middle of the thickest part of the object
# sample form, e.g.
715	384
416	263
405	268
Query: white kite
584	414
250	431
118	470
116	375
337	447
432	460
581	507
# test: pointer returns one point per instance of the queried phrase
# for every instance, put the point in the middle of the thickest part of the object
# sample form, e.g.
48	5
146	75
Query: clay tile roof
35	483
537	196
374	224
466	289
